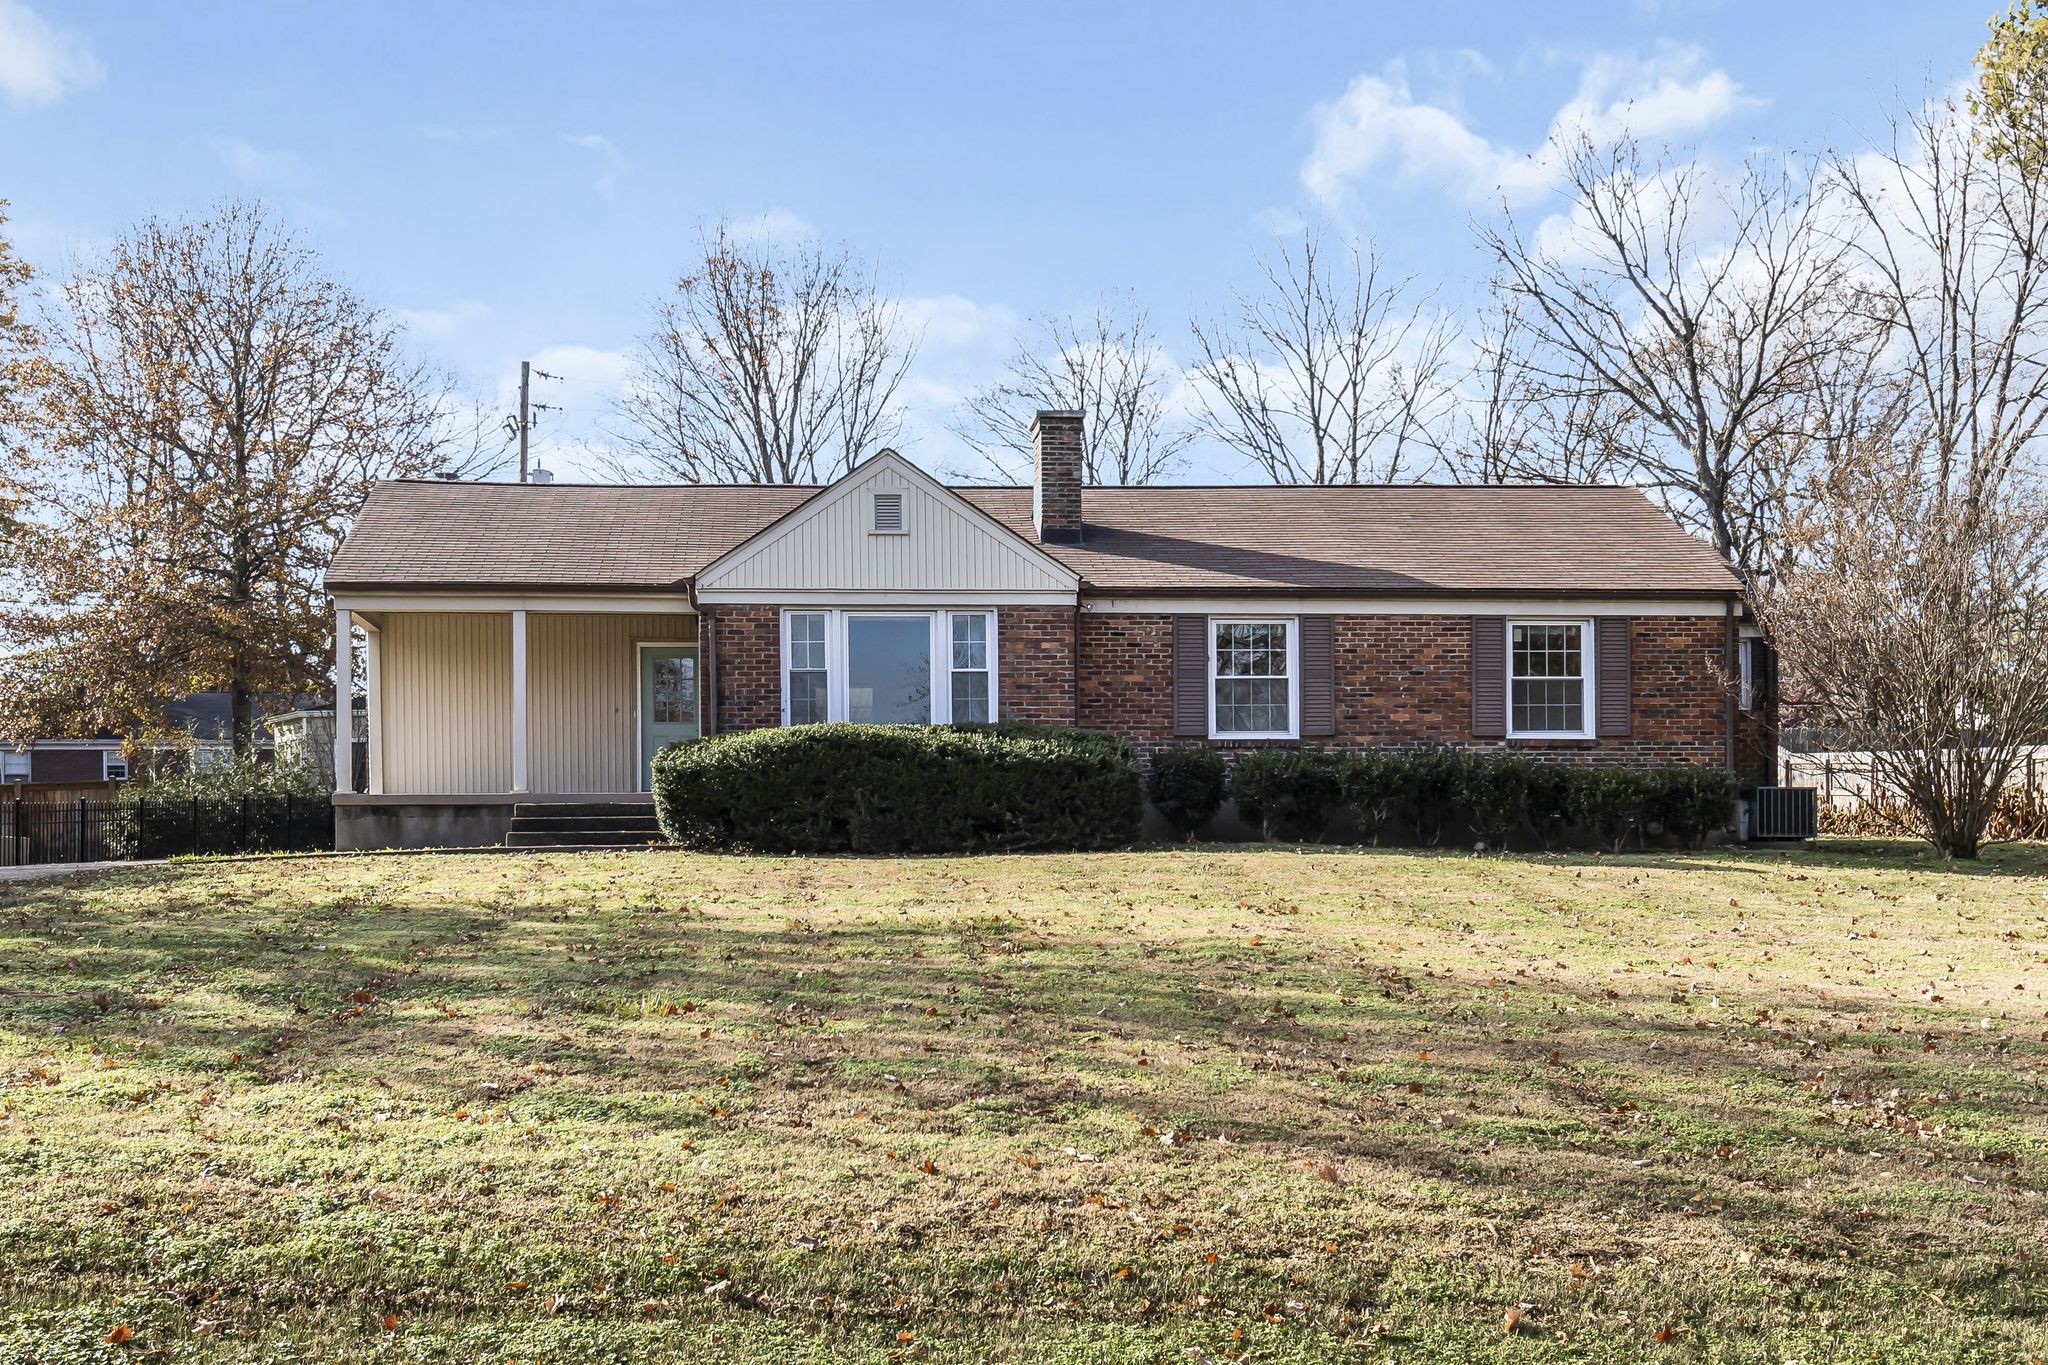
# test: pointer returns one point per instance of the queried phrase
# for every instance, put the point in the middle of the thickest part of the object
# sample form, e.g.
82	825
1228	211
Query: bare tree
1703	312
1916	624
1108	366
1950	246
1513	426
1333	373
764	365
214	410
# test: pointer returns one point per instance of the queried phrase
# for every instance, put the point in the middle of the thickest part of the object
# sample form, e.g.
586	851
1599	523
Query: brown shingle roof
597	537
1404	540
1395	540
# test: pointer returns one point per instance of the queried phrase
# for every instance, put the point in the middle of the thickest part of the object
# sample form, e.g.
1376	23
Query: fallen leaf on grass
119	1336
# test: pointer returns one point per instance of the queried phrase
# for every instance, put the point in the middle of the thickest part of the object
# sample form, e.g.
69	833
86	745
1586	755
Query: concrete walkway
35	870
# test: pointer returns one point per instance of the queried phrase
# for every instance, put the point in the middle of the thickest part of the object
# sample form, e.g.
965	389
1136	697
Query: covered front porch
482	710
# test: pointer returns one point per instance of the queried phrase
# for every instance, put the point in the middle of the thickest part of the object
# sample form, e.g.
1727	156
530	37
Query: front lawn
1163	1106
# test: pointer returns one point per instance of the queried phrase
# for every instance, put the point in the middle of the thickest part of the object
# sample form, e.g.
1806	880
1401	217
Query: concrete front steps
585	824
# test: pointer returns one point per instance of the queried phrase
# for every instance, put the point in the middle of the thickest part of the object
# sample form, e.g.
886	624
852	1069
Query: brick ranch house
531	645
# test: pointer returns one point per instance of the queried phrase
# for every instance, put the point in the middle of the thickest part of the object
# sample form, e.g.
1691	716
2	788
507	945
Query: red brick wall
1406	680
748	644
1400	680
1035	665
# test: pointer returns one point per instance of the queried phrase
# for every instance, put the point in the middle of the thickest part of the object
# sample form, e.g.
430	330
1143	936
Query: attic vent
888	514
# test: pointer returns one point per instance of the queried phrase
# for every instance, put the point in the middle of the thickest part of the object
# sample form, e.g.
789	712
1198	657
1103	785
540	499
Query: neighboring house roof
1396	540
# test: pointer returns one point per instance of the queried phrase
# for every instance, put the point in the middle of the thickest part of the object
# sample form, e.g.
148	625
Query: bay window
1550	679
888	667
1253	675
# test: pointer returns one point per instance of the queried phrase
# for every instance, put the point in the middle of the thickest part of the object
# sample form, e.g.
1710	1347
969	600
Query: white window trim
1293	624
108	762
1745	653
941	654
1588	654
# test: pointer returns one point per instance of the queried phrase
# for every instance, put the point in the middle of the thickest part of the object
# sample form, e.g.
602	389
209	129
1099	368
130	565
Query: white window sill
1549	734
1254	734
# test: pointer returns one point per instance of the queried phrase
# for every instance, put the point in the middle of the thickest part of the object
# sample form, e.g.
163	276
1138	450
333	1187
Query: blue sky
520	180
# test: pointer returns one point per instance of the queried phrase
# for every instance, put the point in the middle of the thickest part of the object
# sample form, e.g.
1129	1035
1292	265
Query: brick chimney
1056	497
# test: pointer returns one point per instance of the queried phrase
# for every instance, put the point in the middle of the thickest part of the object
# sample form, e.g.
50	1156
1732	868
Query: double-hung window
1253	677
1550	679
970	664
803	683
888	667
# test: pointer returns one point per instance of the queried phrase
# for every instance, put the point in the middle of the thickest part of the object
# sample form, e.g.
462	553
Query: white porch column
373	671
344	699
519	701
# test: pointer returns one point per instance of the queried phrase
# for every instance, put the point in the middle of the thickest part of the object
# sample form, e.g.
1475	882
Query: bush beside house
1445	793
900	789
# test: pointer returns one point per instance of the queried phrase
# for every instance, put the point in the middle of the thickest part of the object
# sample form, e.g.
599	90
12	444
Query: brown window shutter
1489	677
1318	677
707	677
1191	676
1615	702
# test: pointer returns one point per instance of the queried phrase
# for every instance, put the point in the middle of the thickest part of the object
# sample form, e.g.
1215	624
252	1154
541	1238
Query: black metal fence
85	830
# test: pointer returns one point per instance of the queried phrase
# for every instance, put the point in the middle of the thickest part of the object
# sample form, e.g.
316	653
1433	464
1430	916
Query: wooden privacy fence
107	829
1856	798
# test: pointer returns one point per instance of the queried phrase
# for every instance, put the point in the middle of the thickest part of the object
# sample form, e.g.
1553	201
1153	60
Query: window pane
970	641
889	669
1548	688
970	698
807	640
1549	704
1251	705
1254	649
675	690
807	698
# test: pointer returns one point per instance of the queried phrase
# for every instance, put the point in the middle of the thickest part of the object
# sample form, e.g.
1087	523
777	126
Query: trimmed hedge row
1437	792
900	789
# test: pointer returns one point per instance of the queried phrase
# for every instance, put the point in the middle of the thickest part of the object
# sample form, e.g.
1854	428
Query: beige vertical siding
447	694
948	546
446	689
582	690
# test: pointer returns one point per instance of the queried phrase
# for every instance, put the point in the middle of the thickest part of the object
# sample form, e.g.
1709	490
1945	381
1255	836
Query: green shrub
1611	802
1691	803
1492	793
1553	799
1429	797
1287	789
900	789
1187	786
1374	784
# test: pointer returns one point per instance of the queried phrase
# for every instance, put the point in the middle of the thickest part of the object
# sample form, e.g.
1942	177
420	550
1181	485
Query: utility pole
525	418
521	427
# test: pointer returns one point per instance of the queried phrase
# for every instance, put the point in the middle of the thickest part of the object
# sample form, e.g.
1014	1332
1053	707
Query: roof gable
830	545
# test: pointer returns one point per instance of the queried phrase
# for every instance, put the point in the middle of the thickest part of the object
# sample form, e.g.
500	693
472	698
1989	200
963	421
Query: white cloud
442	322
950	321
610	159
258	165
777	226
1379	126
40	64
1279	222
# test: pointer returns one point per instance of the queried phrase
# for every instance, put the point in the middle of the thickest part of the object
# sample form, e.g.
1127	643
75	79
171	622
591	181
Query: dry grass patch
1160	1106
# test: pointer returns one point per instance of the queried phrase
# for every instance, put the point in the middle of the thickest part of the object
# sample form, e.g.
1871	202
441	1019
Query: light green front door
668	699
